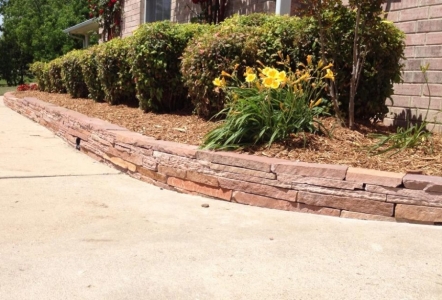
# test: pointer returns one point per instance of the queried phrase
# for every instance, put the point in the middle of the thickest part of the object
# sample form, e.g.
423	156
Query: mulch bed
347	147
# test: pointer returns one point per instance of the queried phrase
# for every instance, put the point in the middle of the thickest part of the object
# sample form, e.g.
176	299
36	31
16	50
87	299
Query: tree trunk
355	74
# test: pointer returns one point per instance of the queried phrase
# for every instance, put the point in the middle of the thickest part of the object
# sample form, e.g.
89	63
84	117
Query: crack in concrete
55	176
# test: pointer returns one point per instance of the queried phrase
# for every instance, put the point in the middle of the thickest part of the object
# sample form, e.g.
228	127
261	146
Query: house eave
83	28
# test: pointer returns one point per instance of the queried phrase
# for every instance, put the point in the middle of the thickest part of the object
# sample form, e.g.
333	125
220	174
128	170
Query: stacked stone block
421	20
332	190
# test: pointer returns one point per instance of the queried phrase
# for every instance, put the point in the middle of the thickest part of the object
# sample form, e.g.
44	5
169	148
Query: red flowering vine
108	14
212	11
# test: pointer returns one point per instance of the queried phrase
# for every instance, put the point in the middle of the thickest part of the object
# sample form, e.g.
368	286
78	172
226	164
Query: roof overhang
84	28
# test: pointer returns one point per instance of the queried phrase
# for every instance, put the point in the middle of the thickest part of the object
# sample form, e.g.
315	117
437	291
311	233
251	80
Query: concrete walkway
72	228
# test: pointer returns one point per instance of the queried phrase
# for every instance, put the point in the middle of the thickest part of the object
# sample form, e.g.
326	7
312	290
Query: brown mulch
347	147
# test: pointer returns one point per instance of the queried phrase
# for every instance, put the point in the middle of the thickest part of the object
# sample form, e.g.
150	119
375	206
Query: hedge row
166	66
142	70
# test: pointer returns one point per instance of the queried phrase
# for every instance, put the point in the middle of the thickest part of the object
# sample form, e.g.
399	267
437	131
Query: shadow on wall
407	117
183	11
387	5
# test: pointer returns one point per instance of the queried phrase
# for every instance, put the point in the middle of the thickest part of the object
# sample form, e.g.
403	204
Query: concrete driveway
72	228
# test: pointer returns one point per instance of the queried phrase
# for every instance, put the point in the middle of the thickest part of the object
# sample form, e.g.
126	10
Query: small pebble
271	239
205	205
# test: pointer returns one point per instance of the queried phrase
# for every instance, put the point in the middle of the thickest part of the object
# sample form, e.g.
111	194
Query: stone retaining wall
333	190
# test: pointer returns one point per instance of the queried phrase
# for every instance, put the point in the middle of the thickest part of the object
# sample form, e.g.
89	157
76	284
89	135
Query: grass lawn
4	89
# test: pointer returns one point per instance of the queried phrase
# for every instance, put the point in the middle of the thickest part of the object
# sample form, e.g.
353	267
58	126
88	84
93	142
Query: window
157	10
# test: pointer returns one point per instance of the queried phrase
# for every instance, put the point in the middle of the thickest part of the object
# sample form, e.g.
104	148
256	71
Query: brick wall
334	190
421	20
132	16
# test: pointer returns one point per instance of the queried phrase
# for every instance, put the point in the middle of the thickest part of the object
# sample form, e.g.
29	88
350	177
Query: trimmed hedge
206	56
246	39
56	81
114	71
156	58
241	40
38	69
71	73
167	66
89	68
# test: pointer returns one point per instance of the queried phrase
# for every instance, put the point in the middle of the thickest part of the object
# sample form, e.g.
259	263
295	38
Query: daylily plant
270	104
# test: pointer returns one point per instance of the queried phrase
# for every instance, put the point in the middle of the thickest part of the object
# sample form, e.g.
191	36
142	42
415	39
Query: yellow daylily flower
249	70
309	60
250	77
314	104
224	73
328	66
304	77
275	84
329	75
267	81
219	82
320	63
273	73
282	76
266	71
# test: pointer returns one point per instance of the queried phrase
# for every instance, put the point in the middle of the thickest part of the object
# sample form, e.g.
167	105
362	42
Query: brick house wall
132	16
421	20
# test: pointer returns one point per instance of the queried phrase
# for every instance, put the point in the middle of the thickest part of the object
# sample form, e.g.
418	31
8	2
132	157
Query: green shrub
246	39
46	78
114	71
276	35
41	72
89	69
72	74
156	58
239	40
38	69
216	50
255	20
382	70
57	84
385	46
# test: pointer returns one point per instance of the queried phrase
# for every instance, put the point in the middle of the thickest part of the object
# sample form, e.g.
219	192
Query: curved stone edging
333	190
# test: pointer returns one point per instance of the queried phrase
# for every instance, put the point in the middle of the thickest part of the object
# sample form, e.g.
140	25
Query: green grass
4	89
